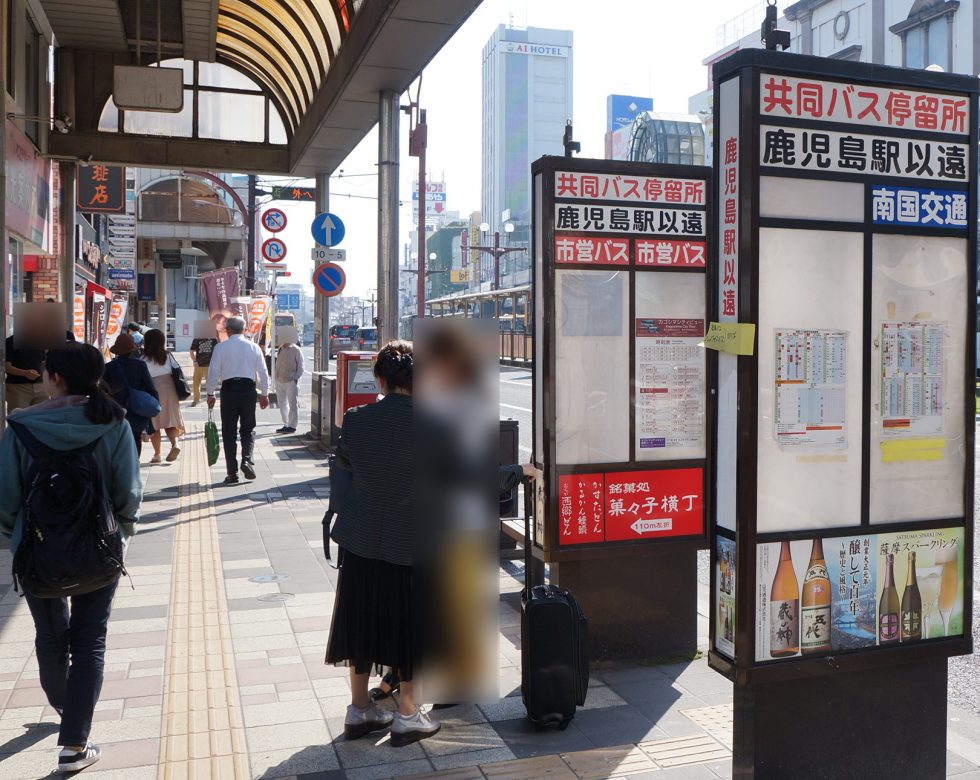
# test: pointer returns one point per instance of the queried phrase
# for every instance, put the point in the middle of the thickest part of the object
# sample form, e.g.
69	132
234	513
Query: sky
649	48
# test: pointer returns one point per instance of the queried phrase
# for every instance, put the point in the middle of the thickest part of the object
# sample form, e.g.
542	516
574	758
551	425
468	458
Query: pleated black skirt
372	624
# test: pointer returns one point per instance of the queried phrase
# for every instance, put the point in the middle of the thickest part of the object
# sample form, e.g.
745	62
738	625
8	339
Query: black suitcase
554	645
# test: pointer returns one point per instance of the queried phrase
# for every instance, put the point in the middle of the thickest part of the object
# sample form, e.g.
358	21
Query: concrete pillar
3	228
321	322
388	127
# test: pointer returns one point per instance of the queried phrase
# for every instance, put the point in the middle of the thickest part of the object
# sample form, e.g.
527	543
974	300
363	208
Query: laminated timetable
912	378
810	386
669	383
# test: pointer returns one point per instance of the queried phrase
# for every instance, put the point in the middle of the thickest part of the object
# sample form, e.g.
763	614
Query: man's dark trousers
238	399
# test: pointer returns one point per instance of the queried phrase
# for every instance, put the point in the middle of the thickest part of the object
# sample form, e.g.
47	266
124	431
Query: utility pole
496	252
388	162
250	256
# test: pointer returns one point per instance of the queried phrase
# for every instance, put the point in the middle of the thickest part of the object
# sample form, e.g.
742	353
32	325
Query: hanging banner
258	314
220	290
97	327
78	317
117	316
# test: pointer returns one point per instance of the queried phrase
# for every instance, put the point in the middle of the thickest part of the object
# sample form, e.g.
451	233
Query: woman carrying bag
131	386
43	452
161	364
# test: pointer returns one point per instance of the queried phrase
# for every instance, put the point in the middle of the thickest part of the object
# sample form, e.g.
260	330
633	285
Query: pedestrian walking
127	377
289	369
70	638
161	364
374	620
22	376
201	350
136	332
238	368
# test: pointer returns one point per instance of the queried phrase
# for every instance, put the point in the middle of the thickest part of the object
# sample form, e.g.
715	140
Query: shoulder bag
181	385
139	402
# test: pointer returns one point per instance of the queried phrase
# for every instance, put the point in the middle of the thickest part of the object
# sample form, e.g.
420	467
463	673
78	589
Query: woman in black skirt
373	619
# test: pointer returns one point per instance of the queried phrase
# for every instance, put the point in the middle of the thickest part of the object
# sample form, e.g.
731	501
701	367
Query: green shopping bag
212	440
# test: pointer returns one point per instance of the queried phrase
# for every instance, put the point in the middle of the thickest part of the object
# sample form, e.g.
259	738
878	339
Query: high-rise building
527	98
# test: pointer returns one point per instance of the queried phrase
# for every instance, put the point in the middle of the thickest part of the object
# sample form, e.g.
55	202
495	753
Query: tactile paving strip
684	750
202	734
717	721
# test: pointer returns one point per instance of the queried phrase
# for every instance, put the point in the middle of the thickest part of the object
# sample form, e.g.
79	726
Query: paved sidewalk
215	661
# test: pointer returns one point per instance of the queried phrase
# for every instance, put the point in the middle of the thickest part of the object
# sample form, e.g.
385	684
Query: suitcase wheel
564	724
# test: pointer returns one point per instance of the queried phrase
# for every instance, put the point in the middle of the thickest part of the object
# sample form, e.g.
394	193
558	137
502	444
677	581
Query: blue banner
918	206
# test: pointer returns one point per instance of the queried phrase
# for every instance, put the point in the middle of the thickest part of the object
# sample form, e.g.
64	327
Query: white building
527	99
903	33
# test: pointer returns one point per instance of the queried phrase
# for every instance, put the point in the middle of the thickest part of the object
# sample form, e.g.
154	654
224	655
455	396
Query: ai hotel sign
842	502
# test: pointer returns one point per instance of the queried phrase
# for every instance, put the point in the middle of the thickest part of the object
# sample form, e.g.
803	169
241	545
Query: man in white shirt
289	369
238	366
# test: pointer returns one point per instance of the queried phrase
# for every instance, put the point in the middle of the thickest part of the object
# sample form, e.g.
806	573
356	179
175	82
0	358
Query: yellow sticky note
735	338
905	450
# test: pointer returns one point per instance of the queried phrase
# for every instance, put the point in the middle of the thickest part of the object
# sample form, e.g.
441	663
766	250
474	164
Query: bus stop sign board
329	279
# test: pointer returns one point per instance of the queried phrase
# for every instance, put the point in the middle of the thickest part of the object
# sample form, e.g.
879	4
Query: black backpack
71	543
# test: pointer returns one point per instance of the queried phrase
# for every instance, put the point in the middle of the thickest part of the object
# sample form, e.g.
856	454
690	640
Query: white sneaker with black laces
71	760
407	729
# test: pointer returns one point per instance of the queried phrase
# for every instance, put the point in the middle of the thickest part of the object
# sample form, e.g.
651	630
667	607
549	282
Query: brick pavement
215	661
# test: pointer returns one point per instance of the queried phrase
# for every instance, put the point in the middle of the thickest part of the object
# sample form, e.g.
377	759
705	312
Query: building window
10	47
926	34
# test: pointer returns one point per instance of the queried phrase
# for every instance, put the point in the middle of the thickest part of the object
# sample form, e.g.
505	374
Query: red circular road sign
329	279
274	250
274	220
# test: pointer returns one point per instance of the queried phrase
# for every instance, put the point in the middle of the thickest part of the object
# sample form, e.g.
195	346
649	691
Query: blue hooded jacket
62	425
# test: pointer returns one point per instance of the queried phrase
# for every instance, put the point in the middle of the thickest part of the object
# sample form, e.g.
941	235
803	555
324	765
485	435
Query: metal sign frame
748	66
543	172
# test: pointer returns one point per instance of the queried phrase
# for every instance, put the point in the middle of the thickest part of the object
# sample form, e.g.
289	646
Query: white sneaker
411	728
359	723
70	760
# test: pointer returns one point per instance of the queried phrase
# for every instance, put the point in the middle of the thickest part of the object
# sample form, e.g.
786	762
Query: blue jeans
77	633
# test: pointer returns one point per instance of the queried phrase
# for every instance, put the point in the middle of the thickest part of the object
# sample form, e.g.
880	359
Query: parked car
366	339
341	338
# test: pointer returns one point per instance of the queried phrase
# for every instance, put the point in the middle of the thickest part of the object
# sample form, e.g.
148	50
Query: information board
621	400
841	515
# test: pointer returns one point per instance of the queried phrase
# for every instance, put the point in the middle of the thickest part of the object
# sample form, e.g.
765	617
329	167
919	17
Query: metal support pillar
388	126
250	230
321	321
3	221
68	174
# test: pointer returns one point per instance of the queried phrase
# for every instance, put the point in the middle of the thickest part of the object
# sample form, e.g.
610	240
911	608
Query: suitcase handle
529	505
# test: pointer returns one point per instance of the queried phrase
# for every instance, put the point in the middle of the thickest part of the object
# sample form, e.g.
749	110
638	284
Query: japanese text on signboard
632	189
609	219
828	101
921	207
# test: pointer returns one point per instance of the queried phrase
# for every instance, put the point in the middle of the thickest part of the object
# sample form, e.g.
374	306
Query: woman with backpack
69	469
131	386
161	364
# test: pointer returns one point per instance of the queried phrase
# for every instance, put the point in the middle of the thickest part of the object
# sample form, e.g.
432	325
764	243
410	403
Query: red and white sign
630	505
587	250
274	250
728	217
629	189
78	317
641	504
860	104
274	220
581	518
669	252
117	316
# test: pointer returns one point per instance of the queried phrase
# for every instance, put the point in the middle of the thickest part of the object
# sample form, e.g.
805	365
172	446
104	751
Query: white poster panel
919	333
810	281
592	366
670	366
726	465
725	596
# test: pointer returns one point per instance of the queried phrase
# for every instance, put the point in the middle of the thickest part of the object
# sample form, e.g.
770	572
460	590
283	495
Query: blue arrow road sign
328	229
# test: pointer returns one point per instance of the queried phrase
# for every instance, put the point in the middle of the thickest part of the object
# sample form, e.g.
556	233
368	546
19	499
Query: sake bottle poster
939	578
783	622
725	596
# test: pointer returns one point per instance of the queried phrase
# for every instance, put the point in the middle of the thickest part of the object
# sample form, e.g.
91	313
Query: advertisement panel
818	596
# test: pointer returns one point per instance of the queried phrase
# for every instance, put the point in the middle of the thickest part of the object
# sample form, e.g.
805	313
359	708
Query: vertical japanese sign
624	273
846	232
102	188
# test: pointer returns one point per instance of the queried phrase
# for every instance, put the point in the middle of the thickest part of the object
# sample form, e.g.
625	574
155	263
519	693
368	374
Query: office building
527	98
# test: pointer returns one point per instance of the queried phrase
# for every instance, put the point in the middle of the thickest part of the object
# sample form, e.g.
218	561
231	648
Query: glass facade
667	138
